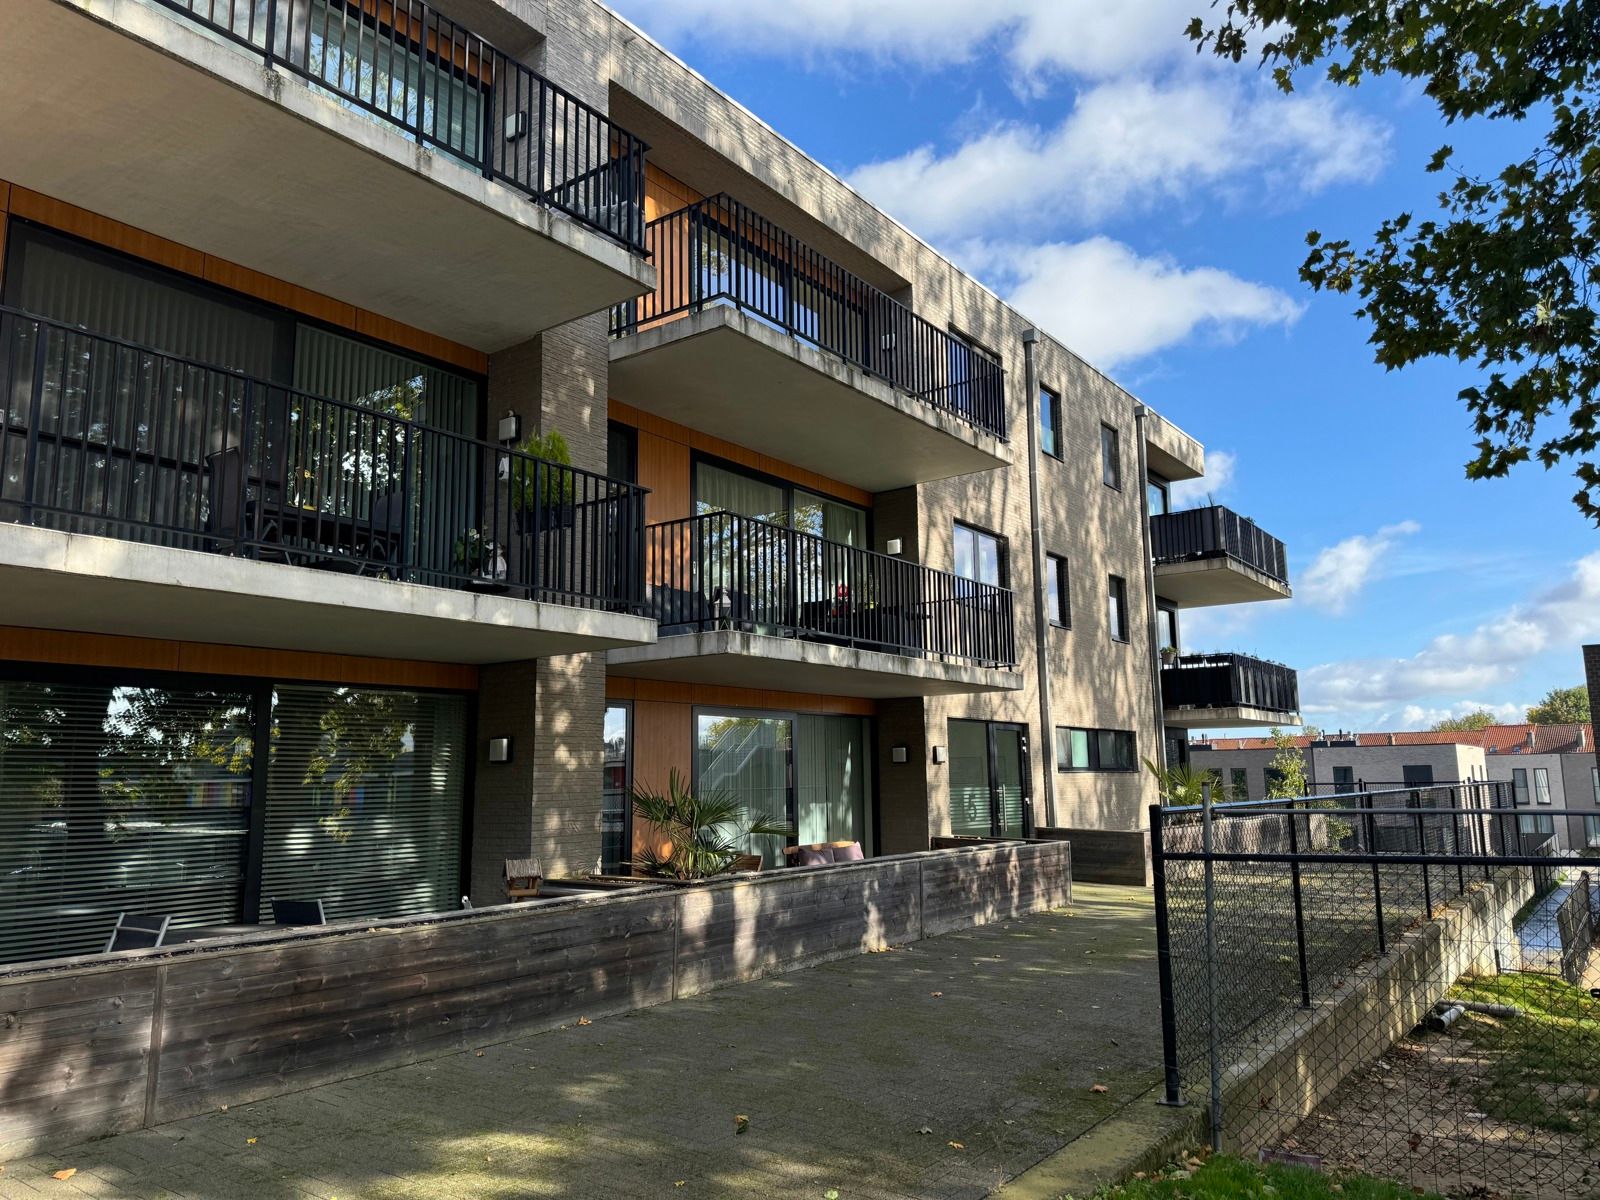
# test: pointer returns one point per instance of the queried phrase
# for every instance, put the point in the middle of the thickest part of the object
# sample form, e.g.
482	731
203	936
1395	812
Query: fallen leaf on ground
1099	1087
925	1129
740	1123
831	1194
955	1145
679	1182
935	995
68	1173
585	1021
477	1053
250	1141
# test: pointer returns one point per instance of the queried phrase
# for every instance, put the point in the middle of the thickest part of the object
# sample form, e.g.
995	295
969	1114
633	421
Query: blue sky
1149	208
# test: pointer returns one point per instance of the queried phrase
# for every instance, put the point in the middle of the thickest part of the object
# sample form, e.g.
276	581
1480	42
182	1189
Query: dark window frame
1051	400
1061	574
1002	551
1094	755
1111	456
1117	589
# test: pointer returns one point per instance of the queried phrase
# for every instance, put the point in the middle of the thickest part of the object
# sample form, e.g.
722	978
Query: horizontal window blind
117	799
365	790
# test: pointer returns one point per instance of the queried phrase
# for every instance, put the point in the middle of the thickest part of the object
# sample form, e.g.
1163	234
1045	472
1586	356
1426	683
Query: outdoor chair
523	877
298	912
745	863
138	931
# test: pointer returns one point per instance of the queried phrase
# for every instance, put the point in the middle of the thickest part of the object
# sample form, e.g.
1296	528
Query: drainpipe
1140	413
1041	618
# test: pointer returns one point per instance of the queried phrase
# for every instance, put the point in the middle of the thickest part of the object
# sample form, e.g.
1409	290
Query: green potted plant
547	491
480	558
695	836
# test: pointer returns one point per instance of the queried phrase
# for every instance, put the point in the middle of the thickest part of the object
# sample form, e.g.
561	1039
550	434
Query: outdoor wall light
499	750
892	546
938	754
900	754
516	125
510	427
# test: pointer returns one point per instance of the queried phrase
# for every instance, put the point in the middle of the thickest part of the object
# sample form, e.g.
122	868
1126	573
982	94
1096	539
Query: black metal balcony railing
1216	532
723	571
717	251
1229	681
403	63
105	437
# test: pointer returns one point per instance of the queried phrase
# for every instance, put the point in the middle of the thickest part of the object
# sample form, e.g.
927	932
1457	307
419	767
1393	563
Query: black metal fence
407	65
1401	982
106	437
1216	532
717	251
1229	681
723	571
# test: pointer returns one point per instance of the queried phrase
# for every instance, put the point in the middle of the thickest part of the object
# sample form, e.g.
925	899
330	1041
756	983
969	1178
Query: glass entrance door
990	780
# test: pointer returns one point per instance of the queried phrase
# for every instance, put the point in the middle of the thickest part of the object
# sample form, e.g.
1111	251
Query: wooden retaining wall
102	1044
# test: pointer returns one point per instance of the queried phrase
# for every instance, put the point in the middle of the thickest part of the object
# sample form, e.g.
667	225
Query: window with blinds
365	791
118	799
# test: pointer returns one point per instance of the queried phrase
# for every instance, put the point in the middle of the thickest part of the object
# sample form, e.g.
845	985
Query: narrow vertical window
1118	609
1050	422
1058	599
1110	457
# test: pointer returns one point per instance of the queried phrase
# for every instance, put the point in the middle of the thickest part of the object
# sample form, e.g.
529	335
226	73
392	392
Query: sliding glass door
750	757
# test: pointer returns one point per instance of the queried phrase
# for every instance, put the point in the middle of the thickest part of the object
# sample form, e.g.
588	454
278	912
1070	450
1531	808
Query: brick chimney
1391	739
1532	729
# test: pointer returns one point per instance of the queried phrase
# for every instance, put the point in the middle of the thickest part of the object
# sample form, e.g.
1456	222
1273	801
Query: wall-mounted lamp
892	546
510	428
938	754
516	125
499	750
899	754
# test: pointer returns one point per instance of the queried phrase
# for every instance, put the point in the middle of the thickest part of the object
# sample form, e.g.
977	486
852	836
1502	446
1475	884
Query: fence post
1422	849
1455	839
1169	1016
1212	1033
1299	907
1377	880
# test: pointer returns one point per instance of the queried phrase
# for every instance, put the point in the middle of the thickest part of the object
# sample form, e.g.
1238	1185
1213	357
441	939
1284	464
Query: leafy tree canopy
1503	275
1480	719
1561	706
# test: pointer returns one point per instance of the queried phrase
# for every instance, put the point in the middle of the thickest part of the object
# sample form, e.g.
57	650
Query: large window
1159	492
1058	593
1050	422
1167	627
980	556
1519	786
616	789
1541	785
1117	608
1095	750
1239	783
723	487
138	795
1591	832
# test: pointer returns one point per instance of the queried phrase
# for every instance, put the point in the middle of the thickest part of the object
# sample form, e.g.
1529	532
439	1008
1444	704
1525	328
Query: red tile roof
1496	739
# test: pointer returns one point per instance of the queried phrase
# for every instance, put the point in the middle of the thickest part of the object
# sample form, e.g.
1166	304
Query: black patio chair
297	912
138	931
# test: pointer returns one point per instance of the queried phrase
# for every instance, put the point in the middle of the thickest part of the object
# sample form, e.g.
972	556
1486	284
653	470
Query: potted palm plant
542	496
695	836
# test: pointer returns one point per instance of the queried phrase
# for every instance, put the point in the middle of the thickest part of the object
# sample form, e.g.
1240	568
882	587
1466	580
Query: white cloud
1340	572
1416	716
1141	305
1085	37
1489	657
1221	466
1126	144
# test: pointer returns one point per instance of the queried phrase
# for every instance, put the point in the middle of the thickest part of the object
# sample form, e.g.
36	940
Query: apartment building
300	596
1550	768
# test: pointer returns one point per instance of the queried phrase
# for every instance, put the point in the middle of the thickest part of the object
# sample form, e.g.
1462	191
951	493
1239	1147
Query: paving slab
942	1069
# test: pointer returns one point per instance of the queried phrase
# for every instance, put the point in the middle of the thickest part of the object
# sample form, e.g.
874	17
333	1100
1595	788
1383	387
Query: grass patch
1227	1178
1544	1064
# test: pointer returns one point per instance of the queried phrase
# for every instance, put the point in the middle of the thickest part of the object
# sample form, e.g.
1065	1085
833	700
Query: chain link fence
1404	982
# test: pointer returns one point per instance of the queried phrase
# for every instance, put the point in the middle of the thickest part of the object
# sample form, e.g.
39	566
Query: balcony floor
55	580
135	113
1203	582
729	374
750	660
1237	717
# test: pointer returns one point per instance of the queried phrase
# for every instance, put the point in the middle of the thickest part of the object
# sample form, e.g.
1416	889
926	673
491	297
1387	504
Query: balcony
154	496
745	603
755	336
1206	556
376	153
1228	690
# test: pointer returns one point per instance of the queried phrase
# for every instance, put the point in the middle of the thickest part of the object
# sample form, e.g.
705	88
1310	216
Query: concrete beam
751	660
55	580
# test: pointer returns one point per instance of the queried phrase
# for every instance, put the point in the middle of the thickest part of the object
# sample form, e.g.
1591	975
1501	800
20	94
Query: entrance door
750	756
991	783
